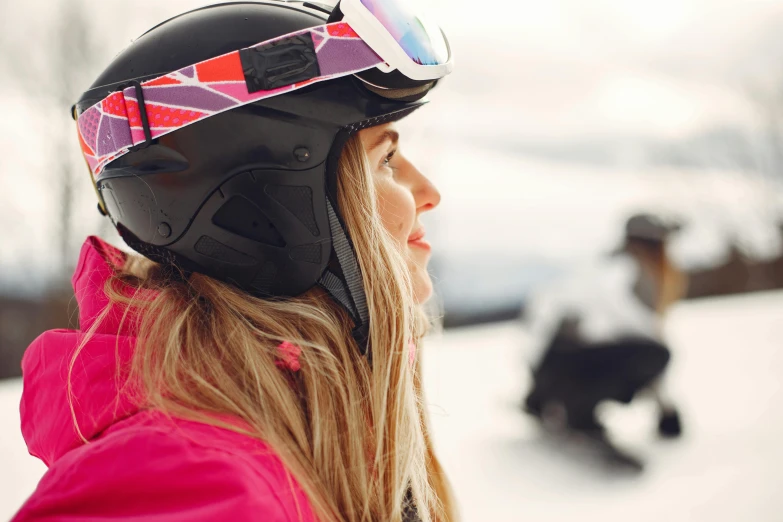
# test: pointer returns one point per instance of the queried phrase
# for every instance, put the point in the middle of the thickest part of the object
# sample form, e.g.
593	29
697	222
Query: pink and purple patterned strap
111	127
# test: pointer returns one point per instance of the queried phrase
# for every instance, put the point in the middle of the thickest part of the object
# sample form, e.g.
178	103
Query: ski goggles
407	40
382	34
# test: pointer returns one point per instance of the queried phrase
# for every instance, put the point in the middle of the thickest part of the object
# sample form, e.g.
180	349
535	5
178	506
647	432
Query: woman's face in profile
403	195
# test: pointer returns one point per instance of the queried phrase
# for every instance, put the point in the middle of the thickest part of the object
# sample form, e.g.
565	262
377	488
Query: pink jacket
138	465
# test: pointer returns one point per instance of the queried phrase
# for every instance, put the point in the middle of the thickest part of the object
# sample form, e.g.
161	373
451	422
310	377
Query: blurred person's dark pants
579	375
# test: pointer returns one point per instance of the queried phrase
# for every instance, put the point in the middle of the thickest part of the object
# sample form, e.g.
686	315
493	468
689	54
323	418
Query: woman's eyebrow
385	136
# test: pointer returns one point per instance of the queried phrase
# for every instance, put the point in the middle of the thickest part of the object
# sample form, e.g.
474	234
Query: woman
259	362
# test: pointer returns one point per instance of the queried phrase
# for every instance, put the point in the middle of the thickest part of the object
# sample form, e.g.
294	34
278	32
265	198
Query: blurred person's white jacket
601	297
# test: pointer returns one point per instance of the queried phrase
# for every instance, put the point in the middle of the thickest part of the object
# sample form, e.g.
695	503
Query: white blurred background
560	119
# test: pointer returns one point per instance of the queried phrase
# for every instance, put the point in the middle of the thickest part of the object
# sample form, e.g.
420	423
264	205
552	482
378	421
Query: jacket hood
59	413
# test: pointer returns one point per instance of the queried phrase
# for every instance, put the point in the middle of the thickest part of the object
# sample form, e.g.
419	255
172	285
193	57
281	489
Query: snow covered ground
726	376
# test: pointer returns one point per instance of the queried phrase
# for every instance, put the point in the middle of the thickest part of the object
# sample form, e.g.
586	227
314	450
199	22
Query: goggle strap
115	125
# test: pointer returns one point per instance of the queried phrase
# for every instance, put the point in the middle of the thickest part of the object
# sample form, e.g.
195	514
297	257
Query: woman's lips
417	240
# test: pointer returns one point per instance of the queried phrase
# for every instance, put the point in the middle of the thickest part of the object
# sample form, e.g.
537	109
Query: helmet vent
214	249
307	253
265	278
298	200
240	216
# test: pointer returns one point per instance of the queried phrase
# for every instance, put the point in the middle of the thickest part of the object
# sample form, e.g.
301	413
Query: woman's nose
425	195
429	196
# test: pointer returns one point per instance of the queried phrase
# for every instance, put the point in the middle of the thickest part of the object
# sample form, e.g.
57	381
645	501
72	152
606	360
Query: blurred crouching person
600	334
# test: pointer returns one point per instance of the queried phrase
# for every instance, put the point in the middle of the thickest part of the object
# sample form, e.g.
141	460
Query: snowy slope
726	377
19	472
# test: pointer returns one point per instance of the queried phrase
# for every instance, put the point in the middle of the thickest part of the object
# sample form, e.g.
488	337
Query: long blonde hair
353	434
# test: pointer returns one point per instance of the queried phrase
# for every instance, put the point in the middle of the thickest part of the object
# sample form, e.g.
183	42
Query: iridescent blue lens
421	39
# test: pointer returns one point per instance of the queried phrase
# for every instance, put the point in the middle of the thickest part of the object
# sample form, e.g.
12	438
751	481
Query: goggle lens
420	38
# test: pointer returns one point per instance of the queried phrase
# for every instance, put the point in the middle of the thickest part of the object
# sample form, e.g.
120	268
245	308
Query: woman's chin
420	277
422	286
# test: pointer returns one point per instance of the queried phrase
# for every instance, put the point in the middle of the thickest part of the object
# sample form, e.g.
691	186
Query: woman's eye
388	158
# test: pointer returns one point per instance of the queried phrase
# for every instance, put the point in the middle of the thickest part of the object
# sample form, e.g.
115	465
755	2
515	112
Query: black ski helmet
247	196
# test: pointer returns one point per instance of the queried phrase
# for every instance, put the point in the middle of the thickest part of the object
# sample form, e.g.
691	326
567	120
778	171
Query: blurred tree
761	80
53	75
769	103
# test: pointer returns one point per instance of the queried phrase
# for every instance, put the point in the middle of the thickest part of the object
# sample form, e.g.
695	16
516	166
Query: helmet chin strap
347	290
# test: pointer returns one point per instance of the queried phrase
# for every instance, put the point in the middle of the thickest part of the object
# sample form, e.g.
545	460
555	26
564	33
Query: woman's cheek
397	210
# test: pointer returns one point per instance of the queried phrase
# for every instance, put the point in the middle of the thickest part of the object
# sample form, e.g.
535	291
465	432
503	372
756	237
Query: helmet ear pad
265	231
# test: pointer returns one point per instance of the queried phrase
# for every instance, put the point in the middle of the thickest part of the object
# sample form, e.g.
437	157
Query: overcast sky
569	67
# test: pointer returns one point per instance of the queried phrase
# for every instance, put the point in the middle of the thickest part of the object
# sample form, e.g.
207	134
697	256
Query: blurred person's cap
650	227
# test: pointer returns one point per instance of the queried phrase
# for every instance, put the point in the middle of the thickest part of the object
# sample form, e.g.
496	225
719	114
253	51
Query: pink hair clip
288	357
